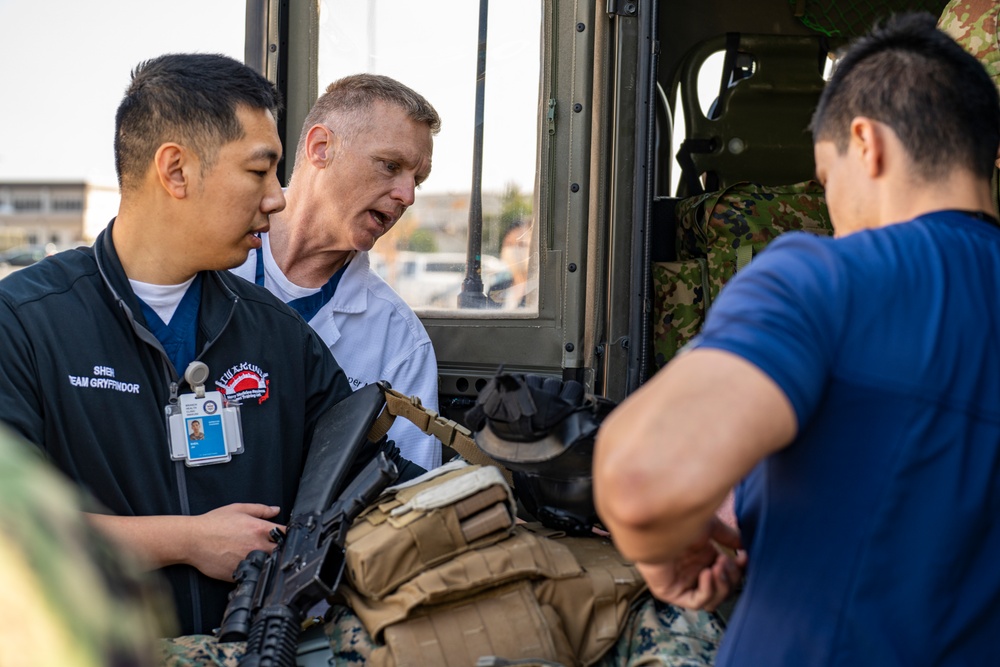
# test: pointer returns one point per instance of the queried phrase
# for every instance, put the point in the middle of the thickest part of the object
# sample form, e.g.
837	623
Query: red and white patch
243	382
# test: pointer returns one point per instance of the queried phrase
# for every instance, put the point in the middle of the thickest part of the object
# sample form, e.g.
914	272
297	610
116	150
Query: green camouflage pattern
678	305
194	650
751	215
656	634
713	231
67	597
973	24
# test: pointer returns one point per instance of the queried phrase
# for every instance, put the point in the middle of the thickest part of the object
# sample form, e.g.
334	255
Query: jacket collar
217	299
115	280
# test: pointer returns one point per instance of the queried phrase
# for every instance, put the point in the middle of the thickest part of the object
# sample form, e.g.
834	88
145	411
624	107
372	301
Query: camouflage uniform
66	597
717	234
660	634
350	645
973	24
657	634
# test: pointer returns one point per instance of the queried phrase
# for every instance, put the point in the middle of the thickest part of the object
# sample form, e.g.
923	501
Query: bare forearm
157	540
650	525
214	542
652	493
664	524
666	458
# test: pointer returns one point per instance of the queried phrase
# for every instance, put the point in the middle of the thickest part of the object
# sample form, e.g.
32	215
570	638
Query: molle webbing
433	518
534	595
508	622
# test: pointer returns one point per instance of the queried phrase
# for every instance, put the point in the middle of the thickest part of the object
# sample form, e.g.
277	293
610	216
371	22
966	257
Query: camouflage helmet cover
973	24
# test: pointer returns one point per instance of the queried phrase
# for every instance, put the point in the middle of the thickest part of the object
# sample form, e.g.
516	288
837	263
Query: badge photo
202	428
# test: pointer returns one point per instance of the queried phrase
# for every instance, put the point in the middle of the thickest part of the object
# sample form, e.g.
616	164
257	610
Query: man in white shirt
364	148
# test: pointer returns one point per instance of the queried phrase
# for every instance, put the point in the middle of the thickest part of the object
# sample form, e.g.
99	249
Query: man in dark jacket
96	340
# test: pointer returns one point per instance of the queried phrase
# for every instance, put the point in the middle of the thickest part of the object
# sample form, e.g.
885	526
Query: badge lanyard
203	427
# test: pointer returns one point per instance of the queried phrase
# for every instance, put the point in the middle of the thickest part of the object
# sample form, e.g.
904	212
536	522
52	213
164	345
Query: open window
428	257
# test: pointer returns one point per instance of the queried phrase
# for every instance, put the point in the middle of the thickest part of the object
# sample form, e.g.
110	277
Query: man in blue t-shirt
849	389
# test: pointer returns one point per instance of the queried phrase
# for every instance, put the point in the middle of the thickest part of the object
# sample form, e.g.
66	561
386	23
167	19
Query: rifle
274	591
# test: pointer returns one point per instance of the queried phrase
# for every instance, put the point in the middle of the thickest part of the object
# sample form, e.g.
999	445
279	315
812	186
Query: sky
68	63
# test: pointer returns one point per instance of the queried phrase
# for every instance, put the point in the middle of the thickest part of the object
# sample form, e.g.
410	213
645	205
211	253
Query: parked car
26	255
434	279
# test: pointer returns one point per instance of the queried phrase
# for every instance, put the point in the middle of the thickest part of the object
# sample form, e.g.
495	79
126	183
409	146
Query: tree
515	209
420	240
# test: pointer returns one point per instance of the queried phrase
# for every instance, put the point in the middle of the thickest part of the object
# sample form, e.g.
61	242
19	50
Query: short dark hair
352	96
935	96
187	98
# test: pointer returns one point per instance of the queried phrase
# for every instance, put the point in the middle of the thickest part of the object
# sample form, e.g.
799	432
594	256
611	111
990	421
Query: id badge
203	428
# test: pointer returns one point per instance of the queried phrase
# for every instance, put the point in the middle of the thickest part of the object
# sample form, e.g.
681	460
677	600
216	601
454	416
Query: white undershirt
275	280
163	299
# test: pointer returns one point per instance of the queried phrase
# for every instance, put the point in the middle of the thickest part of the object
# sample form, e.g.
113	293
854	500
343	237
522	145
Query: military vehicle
600	117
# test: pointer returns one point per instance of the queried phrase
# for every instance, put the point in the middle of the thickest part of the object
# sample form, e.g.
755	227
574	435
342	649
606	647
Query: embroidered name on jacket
244	381
103	378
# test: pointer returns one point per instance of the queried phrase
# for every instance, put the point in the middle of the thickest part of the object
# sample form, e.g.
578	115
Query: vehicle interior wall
771	41
771	60
781	49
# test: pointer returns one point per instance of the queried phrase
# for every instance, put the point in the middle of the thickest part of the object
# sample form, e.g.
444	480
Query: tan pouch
593	606
425	522
522	556
507	622
582	587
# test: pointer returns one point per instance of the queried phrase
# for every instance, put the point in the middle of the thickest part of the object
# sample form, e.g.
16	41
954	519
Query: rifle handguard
274	638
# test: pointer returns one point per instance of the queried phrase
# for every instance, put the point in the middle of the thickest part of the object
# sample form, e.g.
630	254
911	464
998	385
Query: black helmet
542	430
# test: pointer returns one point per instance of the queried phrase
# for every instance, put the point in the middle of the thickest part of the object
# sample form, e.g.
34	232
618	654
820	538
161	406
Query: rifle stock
274	591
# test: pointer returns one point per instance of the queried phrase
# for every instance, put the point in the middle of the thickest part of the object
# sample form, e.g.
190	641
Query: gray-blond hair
347	101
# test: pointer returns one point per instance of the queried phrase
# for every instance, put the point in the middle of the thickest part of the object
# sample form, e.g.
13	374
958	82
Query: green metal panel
281	44
301	87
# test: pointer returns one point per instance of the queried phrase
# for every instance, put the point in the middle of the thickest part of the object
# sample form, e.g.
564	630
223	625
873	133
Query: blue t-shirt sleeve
782	315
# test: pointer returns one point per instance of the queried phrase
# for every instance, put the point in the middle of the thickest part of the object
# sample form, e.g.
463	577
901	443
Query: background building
63	214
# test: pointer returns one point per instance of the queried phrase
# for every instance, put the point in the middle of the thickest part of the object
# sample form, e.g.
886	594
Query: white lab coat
374	335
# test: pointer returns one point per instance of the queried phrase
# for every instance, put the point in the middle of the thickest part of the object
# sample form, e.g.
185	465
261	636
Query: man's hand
704	575
214	542
228	534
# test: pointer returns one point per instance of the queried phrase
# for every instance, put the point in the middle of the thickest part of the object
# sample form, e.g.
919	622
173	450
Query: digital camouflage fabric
657	635
66	596
973	24
349	646
718	233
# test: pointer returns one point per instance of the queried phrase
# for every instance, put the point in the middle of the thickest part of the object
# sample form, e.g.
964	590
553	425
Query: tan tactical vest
439	573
